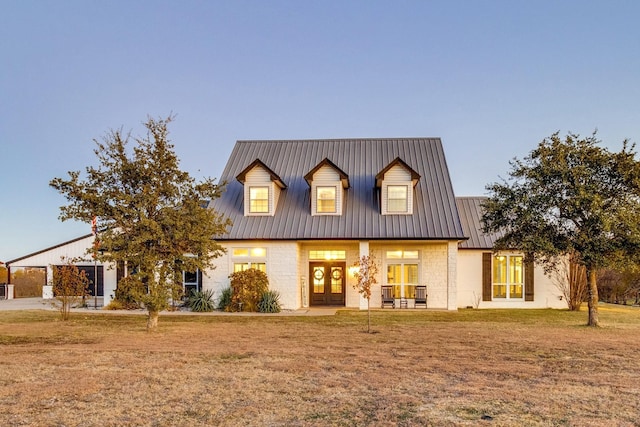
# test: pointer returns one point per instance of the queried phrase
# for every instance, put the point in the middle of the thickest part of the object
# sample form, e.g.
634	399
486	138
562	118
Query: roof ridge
341	139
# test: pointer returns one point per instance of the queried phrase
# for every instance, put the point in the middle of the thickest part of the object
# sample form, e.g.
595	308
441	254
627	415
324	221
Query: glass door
327	283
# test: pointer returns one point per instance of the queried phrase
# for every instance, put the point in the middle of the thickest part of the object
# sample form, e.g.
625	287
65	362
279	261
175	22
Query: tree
70	286
150	214
365	273
570	196
4	277
571	279
619	286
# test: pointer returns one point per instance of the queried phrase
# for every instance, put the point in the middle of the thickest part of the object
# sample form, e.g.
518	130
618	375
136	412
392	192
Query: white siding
259	177
545	292
326	176
397	175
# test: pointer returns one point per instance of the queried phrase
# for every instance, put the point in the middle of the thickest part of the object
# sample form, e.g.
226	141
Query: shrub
201	301
270	302
225	299
115	305
125	293
69	287
247	288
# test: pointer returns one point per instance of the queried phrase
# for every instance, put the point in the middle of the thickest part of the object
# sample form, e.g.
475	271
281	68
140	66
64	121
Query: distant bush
270	302
201	301
125	294
247	288
115	305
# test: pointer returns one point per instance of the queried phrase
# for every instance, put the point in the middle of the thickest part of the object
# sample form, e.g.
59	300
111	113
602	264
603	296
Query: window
327	255
242	266
397	198
326	199
246	258
259	199
402	273
190	282
508	276
253	252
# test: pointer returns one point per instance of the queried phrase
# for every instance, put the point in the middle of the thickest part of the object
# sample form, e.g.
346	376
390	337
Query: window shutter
486	276
528	281
200	279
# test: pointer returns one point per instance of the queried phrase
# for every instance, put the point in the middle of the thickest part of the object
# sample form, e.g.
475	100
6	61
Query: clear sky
491	78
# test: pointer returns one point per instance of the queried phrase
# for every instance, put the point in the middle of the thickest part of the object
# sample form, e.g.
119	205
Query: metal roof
434	217
470	210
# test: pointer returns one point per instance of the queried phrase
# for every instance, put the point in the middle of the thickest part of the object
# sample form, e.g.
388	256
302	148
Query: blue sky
491	78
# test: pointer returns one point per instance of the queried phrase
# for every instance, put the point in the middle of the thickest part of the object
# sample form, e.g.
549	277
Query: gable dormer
396	183
327	183
262	188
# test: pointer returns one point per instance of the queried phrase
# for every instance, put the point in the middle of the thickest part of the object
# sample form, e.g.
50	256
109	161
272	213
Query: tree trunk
592	297
369	315
152	321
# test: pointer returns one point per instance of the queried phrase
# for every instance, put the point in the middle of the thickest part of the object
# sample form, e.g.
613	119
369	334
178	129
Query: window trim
404	199
254	255
508	284
253	201
319	188
404	289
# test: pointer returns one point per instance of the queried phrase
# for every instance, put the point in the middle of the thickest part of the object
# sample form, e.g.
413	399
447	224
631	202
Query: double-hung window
326	199
397	198
259	199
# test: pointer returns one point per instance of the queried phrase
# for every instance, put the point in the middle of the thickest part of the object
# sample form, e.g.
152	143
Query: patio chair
421	296
387	297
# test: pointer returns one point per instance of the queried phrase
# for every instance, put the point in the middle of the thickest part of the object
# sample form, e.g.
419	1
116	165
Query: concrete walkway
42	304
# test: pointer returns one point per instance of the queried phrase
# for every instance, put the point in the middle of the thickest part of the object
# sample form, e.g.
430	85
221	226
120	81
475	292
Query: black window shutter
528	281
486	276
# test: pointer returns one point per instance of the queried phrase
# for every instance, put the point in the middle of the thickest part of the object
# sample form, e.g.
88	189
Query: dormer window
262	188
327	183
258	199
396	183
398	199
326	199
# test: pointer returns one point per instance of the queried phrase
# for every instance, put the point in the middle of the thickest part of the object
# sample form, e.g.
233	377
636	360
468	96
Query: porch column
364	251
452	274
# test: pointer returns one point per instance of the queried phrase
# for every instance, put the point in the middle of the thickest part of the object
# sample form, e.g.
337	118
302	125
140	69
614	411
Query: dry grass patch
498	368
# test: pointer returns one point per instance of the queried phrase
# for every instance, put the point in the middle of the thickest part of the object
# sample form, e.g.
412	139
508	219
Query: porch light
352	271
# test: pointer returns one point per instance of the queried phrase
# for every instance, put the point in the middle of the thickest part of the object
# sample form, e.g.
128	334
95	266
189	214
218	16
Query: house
305	211
498	280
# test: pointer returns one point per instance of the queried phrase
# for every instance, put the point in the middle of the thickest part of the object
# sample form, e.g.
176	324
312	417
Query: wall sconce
353	271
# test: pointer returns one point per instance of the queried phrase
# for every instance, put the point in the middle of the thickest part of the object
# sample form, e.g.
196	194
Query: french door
327	283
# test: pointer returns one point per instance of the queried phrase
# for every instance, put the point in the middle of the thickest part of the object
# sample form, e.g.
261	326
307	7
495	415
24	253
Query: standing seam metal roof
435	215
470	210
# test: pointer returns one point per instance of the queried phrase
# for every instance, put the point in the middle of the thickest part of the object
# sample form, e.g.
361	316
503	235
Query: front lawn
471	367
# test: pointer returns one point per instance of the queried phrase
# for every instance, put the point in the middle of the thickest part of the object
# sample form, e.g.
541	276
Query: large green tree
570	196
150	214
